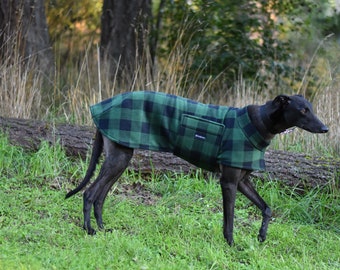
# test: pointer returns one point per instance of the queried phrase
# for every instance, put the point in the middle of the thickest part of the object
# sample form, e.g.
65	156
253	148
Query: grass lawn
164	222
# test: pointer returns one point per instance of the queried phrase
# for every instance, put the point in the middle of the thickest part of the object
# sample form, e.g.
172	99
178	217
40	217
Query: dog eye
304	111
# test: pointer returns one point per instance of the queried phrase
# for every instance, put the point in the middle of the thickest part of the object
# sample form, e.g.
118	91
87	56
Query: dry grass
20	89
88	83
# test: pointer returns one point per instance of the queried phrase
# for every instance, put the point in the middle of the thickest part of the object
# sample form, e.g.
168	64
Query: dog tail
96	152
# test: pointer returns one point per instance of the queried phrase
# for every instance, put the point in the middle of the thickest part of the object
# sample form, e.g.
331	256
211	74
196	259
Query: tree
125	25
229	37
294	169
24	34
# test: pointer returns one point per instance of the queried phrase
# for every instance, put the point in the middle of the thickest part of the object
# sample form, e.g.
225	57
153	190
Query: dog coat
203	134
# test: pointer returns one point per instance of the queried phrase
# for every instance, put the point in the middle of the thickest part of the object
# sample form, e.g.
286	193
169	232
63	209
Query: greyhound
265	121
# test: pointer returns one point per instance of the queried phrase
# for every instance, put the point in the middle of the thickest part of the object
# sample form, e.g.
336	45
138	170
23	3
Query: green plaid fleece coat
203	134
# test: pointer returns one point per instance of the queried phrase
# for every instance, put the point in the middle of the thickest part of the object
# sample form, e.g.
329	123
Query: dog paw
261	238
91	231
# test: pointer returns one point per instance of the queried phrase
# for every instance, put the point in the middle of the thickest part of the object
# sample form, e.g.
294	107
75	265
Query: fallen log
294	169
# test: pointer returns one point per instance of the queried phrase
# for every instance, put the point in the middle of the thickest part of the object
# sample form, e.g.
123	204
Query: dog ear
282	101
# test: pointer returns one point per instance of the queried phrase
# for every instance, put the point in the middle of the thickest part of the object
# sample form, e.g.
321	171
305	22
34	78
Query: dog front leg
229	181
229	196
246	188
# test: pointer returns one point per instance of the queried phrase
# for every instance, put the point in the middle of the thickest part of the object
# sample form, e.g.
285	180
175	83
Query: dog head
294	111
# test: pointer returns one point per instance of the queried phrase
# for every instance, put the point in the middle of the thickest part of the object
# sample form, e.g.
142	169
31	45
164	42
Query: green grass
165	222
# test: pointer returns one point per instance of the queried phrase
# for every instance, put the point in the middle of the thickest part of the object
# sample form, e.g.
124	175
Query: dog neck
261	121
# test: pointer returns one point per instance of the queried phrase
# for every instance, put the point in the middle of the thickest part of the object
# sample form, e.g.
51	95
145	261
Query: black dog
230	140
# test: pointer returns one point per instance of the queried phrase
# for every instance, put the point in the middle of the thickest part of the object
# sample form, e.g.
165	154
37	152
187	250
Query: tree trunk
24	35
124	31
293	169
155	30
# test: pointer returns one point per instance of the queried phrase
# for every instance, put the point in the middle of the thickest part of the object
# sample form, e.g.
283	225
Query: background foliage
257	40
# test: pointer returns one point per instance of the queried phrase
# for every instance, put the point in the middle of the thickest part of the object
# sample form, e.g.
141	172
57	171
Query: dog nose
324	129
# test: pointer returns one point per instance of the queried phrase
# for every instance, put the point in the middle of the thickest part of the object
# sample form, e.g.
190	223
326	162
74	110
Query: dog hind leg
99	202
116	160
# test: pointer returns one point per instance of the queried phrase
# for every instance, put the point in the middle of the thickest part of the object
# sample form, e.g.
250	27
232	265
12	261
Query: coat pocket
198	141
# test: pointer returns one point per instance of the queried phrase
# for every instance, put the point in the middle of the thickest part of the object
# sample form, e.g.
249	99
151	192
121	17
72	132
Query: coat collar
249	129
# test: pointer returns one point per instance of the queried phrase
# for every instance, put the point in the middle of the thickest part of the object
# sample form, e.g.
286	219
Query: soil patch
136	192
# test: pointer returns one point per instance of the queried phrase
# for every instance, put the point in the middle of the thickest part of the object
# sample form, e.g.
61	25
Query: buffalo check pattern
203	134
